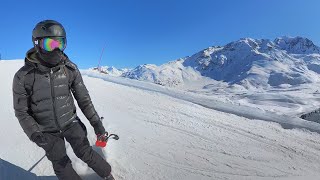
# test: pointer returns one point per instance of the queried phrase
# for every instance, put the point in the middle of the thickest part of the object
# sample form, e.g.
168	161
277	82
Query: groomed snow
164	135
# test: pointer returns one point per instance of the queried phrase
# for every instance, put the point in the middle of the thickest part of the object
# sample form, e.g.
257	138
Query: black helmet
53	30
48	28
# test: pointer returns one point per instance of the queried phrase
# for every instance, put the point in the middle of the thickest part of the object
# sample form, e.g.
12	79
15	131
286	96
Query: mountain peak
242	44
297	45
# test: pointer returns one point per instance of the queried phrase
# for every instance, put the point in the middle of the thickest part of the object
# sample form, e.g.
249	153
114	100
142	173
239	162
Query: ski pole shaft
32	167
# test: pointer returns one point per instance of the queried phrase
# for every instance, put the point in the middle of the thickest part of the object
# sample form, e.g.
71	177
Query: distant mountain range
246	63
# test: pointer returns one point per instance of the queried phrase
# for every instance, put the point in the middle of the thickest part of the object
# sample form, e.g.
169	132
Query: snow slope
164	135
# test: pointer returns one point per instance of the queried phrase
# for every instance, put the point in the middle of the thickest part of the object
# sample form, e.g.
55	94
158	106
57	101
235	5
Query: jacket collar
32	59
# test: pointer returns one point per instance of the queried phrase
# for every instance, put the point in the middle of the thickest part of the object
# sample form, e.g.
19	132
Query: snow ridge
248	63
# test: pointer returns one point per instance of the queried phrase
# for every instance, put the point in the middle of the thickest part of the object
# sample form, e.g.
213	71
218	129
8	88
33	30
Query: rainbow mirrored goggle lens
50	44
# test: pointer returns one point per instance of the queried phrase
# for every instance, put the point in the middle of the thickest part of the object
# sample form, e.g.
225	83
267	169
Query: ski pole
32	167
103	139
35	164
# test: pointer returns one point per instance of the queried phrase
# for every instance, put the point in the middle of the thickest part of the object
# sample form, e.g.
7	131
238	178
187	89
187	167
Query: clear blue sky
153	31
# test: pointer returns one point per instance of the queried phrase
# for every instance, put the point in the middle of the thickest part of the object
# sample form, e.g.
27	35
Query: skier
45	107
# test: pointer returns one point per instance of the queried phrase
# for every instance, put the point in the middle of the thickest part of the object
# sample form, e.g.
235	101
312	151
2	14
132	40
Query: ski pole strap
113	136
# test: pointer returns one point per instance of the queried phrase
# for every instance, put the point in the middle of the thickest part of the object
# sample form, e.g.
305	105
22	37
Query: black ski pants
76	135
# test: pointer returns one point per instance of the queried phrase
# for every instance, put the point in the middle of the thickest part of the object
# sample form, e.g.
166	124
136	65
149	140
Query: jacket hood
32	56
33	59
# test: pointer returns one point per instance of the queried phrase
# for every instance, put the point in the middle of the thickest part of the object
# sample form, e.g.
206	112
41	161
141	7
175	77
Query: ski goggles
49	44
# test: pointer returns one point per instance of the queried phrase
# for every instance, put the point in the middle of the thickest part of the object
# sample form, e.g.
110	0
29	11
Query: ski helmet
49	31
48	28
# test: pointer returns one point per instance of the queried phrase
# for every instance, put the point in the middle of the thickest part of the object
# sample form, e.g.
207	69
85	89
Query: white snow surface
167	133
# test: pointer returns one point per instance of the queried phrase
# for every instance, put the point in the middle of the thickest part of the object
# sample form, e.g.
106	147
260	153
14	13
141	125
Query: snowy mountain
297	45
170	74
254	63
250	63
112	71
250	72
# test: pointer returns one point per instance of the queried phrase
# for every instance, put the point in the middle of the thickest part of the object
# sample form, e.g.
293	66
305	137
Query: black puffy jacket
42	96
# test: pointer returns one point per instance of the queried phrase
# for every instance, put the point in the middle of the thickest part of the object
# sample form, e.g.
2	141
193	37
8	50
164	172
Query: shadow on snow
10	171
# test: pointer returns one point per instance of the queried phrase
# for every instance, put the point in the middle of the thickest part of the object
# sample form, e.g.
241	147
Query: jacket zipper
53	99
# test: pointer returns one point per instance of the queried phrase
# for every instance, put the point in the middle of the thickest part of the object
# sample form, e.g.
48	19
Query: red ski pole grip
101	143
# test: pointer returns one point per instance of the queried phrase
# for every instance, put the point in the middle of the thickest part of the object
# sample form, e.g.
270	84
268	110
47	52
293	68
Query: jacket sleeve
21	106
81	94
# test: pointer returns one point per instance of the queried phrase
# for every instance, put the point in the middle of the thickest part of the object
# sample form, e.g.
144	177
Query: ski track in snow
163	137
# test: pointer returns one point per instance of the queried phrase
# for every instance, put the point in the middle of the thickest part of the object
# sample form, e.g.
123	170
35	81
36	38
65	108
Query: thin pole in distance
99	67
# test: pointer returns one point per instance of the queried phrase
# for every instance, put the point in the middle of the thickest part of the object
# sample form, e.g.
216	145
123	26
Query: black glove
41	140
98	128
